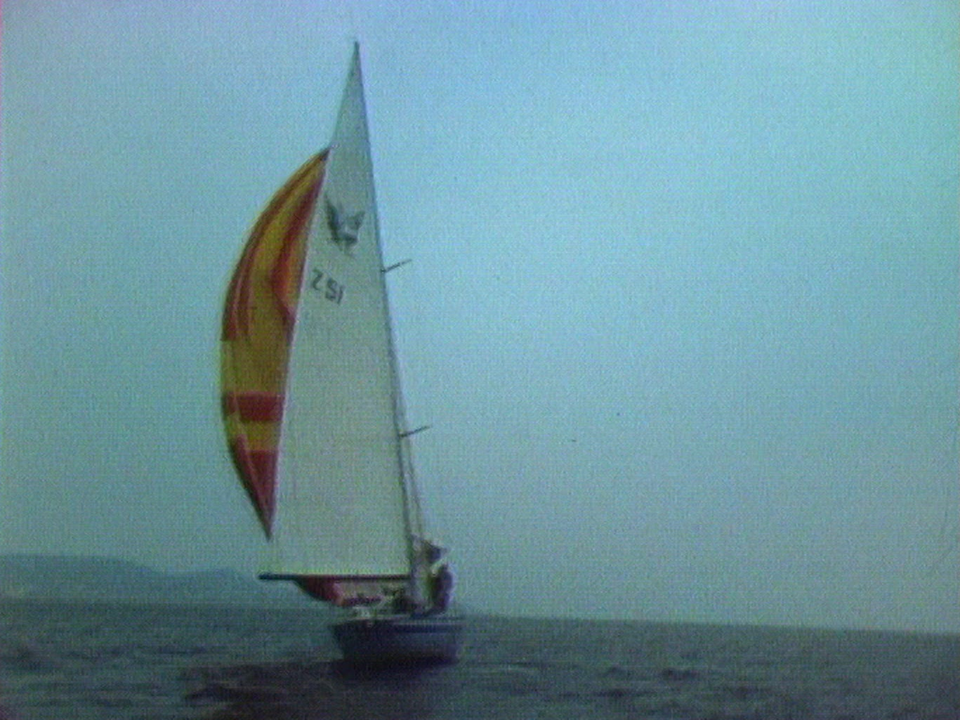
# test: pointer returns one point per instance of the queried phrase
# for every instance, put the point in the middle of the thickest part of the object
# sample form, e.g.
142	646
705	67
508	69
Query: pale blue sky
683	311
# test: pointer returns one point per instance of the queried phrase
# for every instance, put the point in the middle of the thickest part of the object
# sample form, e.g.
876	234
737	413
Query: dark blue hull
399	639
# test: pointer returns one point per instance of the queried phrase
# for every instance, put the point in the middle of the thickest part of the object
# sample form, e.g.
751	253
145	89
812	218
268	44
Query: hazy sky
683	311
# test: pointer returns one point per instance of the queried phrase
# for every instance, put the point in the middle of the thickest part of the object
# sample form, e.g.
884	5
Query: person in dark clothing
441	587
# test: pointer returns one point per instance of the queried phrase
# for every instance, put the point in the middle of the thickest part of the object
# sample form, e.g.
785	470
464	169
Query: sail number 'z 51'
326	286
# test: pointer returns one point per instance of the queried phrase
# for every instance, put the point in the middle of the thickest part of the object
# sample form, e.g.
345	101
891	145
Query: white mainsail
342	491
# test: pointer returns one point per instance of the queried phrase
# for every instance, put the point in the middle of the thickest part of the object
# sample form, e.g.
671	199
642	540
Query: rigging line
942	557
949	541
351	21
396	265
408	433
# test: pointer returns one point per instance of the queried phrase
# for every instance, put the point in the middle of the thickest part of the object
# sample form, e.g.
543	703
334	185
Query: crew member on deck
441	587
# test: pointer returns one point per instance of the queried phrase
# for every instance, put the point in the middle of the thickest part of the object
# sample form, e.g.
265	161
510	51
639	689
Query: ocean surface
101	662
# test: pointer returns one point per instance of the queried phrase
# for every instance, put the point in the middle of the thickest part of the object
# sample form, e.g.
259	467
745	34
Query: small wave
623	693
672	674
186	651
615	672
24	657
743	691
223	692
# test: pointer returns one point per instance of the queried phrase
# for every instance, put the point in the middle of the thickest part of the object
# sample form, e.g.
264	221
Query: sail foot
347	591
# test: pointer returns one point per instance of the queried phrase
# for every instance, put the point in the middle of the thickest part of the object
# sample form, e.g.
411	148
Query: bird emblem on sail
344	228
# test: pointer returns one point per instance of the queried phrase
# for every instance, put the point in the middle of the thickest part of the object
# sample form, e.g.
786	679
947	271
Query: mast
411	516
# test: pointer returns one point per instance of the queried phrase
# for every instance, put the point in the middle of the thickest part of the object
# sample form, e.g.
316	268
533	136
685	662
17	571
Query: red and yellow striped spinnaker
258	320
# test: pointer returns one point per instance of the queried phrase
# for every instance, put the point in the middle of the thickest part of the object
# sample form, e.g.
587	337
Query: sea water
61	660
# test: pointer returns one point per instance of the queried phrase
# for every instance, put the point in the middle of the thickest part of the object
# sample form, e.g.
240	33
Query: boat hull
398	640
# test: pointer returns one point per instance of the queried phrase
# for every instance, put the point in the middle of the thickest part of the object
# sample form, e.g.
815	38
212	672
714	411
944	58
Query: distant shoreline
90	579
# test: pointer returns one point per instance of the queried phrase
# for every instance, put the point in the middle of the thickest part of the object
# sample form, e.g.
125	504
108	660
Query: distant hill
98	579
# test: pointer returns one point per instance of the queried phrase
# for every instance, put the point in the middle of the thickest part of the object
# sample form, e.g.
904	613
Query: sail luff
255	334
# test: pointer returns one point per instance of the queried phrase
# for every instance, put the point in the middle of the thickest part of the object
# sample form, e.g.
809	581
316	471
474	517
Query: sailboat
313	412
